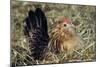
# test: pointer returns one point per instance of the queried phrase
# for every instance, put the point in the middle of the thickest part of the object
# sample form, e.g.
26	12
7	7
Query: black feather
32	19
42	20
36	24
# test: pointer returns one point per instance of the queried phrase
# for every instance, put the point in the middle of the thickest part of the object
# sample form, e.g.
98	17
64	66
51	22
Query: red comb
67	21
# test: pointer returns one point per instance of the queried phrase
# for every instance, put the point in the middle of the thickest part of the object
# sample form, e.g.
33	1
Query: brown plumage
63	37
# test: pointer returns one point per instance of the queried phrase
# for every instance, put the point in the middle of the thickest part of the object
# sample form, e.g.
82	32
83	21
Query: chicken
61	38
64	38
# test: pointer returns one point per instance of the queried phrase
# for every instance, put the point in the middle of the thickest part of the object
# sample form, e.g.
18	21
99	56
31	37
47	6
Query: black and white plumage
36	31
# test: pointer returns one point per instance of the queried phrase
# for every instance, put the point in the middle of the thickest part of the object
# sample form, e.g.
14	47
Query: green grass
83	17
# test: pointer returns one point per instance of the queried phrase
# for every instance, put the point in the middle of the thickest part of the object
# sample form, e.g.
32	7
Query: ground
83	17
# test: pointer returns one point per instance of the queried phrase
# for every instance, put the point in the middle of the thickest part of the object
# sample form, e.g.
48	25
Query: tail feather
32	19
36	24
42	21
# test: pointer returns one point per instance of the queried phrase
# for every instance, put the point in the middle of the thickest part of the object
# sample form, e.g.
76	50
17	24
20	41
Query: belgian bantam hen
61	38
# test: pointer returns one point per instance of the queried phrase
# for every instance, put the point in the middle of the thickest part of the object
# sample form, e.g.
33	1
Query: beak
73	25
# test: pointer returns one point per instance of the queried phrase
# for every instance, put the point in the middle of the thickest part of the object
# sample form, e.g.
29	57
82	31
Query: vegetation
83	17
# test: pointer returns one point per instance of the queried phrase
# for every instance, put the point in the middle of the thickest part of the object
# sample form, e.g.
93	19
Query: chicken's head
66	25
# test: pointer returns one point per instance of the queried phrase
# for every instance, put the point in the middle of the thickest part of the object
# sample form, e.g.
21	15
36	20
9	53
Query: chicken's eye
65	25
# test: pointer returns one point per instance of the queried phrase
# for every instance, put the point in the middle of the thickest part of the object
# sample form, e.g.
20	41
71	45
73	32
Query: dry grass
84	17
